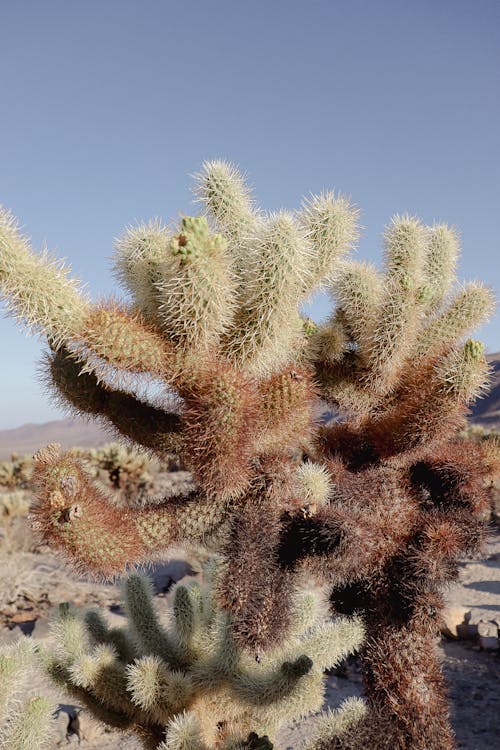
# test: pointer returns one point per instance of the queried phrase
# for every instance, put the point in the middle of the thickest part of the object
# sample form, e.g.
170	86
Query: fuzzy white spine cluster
190	676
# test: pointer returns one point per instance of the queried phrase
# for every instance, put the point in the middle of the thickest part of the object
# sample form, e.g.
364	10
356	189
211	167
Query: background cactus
17	472
379	503
13	504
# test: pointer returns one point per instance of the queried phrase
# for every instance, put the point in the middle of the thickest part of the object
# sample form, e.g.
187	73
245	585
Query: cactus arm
227	201
357	288
138	256
331	224
146	425
443	249
77	518
184	733
122	339
336	723
186	620
273	685
36	288
157	689
330	642
151	638
196	289
401	309
267	323
463	373
468	308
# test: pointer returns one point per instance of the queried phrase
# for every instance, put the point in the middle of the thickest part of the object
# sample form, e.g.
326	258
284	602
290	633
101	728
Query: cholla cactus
25	717
16	472
14	504
127	469
189	679
380	504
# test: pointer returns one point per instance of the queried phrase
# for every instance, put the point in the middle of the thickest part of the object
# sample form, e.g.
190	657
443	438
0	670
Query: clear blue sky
107	107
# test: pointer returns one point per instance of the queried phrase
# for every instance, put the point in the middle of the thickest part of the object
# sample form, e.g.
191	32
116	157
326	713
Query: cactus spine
25	718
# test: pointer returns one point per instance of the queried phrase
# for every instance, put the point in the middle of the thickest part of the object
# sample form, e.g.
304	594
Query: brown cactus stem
405	693
371	517
255	588
285	405
76	517
405	689
218	421
153	428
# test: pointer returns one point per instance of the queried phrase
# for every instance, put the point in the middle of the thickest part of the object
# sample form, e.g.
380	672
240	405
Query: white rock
488	643
455	618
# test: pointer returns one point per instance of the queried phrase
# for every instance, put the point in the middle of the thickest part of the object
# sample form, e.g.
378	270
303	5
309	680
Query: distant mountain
68	432
486	411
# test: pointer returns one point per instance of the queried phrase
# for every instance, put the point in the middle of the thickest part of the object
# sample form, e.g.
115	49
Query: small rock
488	643
456	621
487	629
23	616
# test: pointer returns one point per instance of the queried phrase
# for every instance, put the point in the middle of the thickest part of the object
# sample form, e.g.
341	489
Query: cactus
14	507
13	504
25	718
378	504
190	679
17	472
123	466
